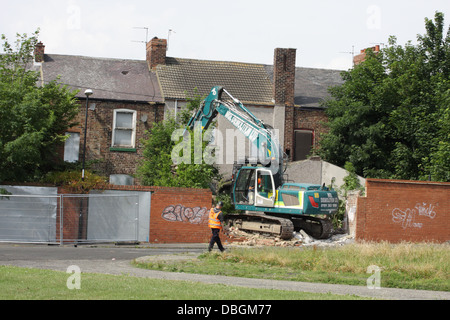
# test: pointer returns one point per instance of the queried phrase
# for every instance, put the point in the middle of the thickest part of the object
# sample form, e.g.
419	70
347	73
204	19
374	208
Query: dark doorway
303	144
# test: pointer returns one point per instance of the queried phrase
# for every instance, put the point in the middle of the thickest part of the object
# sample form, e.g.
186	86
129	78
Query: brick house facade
125	102
107	158
282	95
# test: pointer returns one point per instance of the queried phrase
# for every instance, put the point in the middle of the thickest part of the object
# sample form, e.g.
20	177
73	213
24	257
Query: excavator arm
254	129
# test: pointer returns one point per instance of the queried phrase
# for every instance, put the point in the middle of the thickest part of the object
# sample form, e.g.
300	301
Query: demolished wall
316	171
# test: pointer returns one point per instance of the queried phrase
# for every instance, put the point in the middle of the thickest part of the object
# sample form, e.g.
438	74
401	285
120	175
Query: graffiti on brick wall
181	213
407	218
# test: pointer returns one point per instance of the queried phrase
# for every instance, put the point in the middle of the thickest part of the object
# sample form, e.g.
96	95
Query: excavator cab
254	186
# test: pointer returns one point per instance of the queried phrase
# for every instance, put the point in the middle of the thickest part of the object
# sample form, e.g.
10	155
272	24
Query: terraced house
130	95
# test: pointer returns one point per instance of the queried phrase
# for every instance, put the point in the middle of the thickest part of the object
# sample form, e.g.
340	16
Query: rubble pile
300	238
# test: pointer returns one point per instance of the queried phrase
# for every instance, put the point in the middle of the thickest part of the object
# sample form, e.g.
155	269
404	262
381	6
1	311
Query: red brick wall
177	215
289	144
180	216
312	120
397	210
303	119
71	219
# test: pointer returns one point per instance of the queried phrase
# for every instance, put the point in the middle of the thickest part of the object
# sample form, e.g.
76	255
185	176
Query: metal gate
28	218
72	218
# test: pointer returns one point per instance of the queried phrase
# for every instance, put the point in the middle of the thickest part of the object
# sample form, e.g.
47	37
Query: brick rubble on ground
300	238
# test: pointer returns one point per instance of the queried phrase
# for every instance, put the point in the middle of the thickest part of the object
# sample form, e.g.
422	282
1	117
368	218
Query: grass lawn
413	266
405	265
35	284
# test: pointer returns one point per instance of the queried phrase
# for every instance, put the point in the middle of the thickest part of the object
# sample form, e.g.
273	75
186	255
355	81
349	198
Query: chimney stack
156	52
284	76
39	51
360	58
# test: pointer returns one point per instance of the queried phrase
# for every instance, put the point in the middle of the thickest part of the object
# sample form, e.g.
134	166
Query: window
72	147
265	195
245	185
124	128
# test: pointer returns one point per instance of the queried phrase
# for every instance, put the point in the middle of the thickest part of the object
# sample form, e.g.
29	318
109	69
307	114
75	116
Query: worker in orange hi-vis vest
215	223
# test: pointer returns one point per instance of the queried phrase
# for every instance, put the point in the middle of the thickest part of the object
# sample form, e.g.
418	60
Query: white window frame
72	147
133	128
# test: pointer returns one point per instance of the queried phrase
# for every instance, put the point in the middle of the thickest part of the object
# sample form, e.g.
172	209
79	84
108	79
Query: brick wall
180	215
71	219
177	215
303	119
397	210
312	120
289	144
99	135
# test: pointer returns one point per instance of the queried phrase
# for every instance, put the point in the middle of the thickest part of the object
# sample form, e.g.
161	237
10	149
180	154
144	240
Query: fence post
61	219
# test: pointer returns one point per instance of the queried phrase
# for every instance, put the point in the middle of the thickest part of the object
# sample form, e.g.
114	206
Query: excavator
271	205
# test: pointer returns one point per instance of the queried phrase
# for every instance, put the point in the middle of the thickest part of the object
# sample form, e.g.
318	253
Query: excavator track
316	227
262	223
282	227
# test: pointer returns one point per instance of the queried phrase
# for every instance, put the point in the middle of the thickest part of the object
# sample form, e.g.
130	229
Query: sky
324	32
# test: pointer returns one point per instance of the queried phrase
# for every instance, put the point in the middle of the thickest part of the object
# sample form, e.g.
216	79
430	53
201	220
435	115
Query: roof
311	85
131	80
110	79
247	82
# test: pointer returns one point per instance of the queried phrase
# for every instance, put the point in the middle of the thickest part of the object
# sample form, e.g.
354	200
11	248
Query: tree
390	117
33	118
158	167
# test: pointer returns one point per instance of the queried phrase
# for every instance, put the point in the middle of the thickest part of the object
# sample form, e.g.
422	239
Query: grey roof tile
112	79
311	84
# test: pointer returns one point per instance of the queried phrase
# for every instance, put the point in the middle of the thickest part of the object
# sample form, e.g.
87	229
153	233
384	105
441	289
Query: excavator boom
260	134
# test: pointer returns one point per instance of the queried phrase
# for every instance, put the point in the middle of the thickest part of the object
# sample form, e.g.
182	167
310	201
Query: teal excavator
271	205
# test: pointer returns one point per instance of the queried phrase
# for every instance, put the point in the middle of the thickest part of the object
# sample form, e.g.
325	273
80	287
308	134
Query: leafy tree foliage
158	168
33	118
390	118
